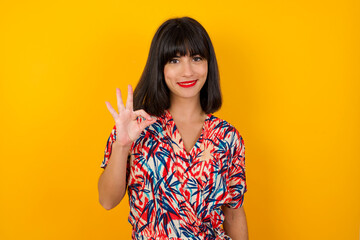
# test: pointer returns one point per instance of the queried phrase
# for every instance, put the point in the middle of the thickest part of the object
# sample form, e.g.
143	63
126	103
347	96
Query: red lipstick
187	84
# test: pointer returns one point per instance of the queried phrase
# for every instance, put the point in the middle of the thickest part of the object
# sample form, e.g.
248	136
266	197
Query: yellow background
290	79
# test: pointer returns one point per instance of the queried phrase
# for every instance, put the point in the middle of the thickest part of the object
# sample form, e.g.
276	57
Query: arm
235	225
112	182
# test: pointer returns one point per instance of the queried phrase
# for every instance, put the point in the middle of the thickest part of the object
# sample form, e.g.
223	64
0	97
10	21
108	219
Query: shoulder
223	128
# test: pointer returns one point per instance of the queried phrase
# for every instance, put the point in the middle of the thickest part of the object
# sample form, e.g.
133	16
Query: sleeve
237	180
108	148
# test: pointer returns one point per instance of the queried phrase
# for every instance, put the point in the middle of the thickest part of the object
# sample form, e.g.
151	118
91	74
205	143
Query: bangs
182	40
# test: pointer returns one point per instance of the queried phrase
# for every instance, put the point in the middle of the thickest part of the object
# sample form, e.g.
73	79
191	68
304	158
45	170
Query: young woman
184	168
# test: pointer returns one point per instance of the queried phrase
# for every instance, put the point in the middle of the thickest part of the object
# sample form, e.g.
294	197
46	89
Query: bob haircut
177	36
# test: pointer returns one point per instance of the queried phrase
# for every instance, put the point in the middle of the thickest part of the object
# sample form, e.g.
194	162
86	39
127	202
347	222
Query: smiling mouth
187	84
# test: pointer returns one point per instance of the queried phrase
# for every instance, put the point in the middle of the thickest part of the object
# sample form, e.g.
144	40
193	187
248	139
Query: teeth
187	83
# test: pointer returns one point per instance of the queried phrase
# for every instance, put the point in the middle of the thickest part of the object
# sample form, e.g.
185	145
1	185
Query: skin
185	105
235	224
189	118
182	69
112	182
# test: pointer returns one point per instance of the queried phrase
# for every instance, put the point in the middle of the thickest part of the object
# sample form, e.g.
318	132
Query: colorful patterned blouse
178	195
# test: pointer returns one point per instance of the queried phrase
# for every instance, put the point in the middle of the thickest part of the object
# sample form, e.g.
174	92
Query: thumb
144	124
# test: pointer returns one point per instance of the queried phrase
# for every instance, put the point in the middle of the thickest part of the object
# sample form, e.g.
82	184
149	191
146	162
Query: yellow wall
290	78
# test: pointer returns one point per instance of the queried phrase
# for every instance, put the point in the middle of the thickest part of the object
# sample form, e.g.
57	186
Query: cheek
168	73
167	76
204	70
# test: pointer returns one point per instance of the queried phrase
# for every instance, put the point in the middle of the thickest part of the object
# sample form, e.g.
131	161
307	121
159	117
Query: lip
187	84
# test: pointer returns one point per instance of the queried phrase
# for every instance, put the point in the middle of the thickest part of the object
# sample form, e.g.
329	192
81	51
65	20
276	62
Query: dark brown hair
173	37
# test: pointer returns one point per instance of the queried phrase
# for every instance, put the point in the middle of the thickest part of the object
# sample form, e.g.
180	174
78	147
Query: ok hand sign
128	129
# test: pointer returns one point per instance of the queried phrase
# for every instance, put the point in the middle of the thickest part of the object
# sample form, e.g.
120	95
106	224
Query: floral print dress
177	195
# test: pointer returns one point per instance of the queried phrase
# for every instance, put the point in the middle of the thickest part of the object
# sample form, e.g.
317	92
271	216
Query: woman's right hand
128	129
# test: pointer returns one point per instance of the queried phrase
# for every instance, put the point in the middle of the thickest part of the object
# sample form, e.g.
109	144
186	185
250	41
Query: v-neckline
181	141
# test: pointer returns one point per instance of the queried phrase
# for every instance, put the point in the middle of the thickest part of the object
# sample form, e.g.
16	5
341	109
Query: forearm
112	182
235	224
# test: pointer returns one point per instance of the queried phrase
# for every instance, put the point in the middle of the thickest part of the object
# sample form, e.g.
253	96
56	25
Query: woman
183	167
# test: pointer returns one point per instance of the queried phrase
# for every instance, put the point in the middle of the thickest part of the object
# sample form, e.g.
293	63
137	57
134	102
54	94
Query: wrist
121	146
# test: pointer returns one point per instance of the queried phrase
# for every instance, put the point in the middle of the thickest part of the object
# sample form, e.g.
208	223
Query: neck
186	109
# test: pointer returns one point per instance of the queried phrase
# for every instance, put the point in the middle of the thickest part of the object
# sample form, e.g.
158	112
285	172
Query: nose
187	70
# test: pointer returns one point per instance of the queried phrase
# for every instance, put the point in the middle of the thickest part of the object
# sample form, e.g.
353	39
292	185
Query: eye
197	58
174	60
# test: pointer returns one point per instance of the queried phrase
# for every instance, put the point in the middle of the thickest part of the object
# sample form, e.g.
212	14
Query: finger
142	113
146	123
119	100
111	110
129	100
